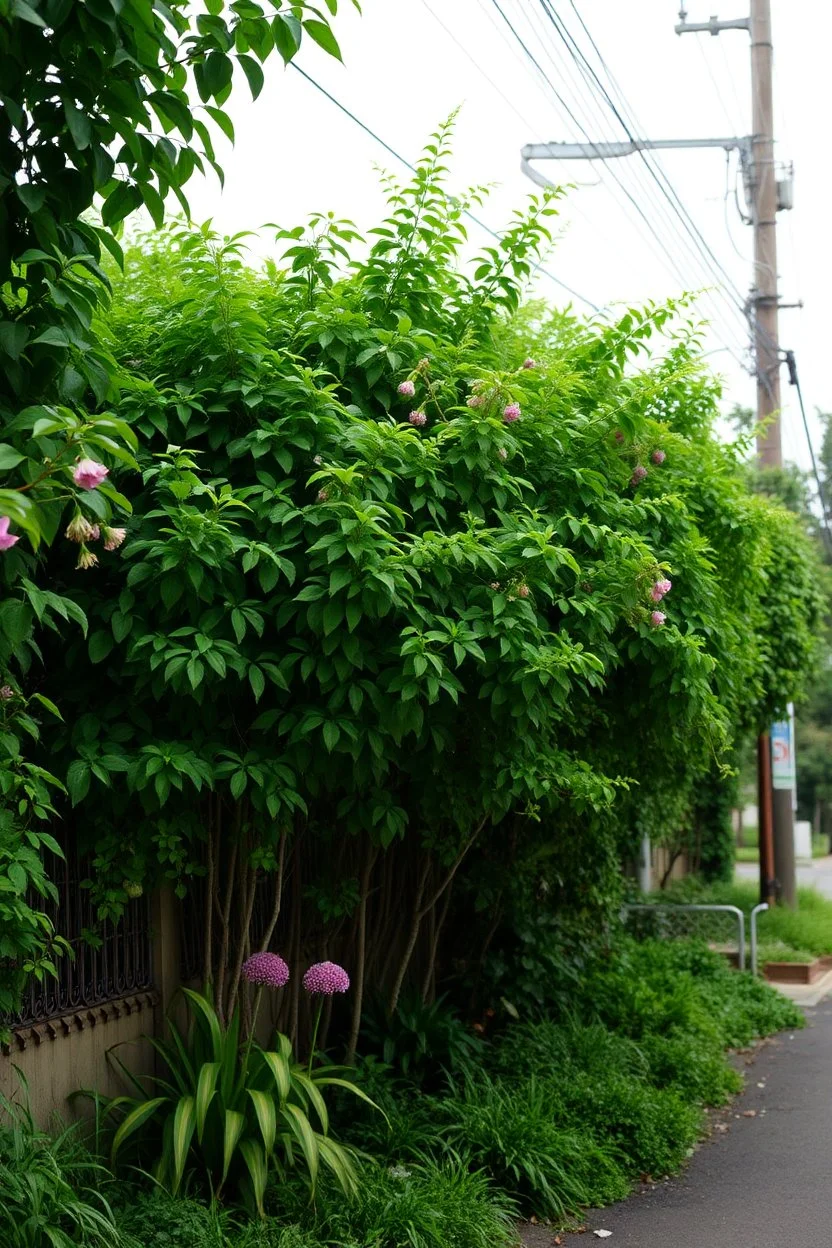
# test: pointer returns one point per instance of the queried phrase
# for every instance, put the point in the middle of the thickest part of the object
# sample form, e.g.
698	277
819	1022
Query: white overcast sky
408	63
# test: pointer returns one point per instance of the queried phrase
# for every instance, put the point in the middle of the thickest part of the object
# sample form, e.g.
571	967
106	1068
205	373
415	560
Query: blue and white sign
782	755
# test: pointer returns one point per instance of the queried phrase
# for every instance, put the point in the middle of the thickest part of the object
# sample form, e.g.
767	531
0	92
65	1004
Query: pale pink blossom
529	363
323	495
86	559
407	389
89	474
476	400
523	590
511	412
639	473
418	418
79	529
113	538
657	618
658	457
7	539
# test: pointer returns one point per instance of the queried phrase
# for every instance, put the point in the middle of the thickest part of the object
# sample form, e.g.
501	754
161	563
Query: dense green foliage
425	651
97	108
50	1188
783	933
230	1112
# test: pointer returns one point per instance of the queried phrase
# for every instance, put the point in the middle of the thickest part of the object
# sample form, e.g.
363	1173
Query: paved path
819	876
764	1181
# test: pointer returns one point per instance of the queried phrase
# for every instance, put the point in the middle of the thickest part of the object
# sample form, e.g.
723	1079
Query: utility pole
775	750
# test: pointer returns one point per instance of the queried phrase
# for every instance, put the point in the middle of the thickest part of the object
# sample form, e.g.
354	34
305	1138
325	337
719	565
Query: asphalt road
819	876
764	1180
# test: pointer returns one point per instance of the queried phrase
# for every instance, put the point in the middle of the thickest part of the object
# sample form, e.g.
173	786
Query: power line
493	233
794	380
657	172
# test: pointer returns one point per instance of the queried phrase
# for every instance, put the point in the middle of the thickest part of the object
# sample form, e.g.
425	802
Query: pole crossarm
712	27
608	151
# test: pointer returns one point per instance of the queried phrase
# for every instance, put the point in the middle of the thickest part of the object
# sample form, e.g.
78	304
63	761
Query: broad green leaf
205	1091
134	1120
234	1124
278	1064
253	73
323	36
184	1121
299	1125
258	1170
264	1108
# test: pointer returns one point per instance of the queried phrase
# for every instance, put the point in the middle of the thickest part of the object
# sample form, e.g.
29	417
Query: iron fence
118	964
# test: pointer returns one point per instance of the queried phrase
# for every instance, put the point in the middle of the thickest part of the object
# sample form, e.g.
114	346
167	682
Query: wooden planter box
797	972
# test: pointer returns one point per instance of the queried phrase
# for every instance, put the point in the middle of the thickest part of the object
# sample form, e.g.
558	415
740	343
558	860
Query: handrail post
757	910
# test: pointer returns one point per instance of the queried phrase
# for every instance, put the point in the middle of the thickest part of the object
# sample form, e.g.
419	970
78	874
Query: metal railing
757	910
683	921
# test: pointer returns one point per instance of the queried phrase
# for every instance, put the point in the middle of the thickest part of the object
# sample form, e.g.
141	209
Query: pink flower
267	970
639	473
418	418
7	539
656	593
6	692
89	474
326	978
503	453
476	400
86	559
523	590
323	495
658	457
529	363
665	586
407	388
657	618
113	537
511	413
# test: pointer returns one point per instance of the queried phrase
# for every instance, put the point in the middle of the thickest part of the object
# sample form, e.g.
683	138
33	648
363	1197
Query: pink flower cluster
476	400
659	590
658	457
407	389
639	473
7	539
511	412
529	363
418	418
657	618
88	474
267	970
326	978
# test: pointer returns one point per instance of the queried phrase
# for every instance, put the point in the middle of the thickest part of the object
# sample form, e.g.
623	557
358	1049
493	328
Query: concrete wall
61	1055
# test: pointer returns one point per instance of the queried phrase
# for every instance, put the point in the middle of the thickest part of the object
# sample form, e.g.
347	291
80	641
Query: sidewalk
763	1181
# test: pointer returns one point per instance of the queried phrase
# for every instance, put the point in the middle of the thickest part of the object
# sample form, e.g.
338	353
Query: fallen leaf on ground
749	1113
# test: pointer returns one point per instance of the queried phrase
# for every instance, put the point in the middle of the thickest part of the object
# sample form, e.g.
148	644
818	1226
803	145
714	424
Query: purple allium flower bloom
418	418
326	978
503	453
267	970
529	363
657	619
658	457
407	388
639	473
511	413
476	400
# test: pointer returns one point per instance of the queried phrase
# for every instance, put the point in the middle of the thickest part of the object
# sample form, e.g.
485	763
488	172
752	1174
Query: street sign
782	755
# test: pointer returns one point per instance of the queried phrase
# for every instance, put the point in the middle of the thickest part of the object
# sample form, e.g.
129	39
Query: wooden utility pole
764	307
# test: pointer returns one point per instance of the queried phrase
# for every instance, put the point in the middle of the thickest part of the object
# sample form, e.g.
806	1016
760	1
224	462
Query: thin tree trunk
208	908
430	973
420	911
226	917
360	956
278	895
249	897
